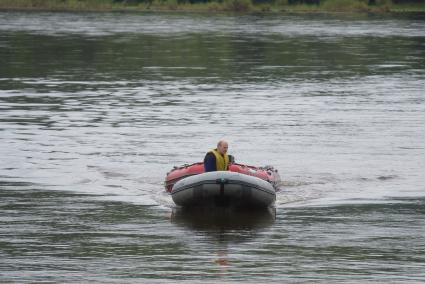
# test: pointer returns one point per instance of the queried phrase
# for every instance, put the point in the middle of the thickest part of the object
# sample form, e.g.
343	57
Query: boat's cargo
267	173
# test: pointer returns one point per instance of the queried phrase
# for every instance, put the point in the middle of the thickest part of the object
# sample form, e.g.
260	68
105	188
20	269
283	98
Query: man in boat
218	159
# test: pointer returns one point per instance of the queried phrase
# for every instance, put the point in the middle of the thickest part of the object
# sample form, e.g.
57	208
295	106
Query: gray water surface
96	108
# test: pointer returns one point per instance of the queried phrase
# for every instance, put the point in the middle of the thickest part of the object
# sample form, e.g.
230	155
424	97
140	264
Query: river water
96	108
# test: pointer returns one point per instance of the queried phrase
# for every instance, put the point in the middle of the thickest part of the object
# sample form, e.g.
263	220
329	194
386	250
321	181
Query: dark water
96	108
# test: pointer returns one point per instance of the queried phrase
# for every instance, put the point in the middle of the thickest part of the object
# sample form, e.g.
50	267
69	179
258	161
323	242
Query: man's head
222	147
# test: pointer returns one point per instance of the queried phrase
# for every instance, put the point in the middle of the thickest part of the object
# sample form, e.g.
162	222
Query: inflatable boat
241	186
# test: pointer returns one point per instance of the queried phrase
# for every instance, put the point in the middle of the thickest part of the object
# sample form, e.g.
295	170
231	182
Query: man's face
222	148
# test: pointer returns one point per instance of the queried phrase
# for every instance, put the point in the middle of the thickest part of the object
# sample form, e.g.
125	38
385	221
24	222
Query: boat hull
223	189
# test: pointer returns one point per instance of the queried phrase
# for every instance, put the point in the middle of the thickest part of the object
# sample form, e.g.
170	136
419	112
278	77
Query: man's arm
209	163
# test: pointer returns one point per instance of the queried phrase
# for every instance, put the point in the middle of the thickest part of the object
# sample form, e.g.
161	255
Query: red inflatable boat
267	173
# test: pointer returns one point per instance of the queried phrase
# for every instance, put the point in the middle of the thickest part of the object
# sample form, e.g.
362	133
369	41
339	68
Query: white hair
221	142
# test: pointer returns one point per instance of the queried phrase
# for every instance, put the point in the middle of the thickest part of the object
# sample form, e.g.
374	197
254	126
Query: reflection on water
222	219
224	228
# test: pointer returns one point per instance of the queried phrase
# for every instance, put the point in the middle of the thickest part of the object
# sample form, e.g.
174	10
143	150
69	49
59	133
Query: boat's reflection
222	219
224	228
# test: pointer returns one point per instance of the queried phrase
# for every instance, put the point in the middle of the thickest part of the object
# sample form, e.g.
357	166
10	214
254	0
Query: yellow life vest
221	163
